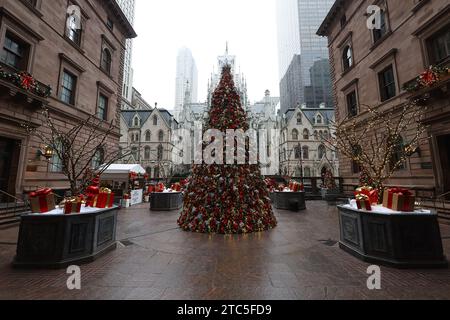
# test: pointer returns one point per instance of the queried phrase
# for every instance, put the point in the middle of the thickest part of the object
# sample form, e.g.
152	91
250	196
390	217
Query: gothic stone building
302	153
83	66
149	133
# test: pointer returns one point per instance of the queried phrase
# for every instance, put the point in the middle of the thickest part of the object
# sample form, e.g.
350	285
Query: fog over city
204	26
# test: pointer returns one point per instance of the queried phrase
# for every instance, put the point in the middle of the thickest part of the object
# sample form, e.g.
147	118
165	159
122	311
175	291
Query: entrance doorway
444	154
9	161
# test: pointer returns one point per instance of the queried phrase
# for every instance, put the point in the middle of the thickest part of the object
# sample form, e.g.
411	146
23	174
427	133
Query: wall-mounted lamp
410	151
47	152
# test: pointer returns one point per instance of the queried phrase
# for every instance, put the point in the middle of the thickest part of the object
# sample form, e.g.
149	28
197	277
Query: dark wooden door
7	147
444	153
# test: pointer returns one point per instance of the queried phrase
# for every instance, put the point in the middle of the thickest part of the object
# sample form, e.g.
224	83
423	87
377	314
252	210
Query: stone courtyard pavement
300	259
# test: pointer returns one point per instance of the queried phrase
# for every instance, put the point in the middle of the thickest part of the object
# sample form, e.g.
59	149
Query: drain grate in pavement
127	243
329	242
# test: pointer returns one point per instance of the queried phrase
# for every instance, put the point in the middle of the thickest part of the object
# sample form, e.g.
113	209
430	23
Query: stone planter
403	240
58	240
293	201
166	201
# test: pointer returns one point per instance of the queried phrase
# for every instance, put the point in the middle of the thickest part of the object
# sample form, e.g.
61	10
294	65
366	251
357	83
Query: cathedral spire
226	50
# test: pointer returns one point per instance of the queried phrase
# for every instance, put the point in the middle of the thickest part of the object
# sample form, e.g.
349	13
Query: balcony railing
23	83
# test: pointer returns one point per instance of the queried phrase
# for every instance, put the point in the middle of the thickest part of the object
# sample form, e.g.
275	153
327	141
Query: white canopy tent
123	169
119	176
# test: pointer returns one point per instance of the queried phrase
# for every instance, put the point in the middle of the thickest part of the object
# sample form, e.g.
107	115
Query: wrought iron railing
11	208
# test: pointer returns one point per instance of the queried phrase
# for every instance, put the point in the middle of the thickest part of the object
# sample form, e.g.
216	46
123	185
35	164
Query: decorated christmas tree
227	198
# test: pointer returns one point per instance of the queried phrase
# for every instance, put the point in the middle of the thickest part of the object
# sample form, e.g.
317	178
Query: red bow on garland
26	80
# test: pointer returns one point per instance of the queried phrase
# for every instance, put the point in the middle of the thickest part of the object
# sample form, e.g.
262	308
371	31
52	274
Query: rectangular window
352	104
15	52
110	23
102	111
68	86
439	46
387	83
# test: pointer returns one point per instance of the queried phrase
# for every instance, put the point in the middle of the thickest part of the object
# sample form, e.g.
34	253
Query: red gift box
399	199
73	205
105	199
370	192
160	187
42	200
151	189
176	187
92	196
363	202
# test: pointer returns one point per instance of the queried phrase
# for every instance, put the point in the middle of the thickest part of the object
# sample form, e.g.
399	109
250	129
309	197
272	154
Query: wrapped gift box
73	205
403	202
399	199
176	187
363	202
370	192
42	201
105	199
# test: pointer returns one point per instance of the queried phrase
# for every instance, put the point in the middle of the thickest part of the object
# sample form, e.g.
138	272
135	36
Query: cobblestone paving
300	259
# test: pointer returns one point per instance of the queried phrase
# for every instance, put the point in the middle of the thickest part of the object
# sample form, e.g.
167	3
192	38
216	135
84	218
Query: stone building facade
150	133
83	66
372	67
302	152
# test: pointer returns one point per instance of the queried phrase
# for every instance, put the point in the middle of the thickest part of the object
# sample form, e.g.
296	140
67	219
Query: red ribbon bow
41	193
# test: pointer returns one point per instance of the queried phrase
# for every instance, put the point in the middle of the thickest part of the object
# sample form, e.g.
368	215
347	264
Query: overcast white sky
204	26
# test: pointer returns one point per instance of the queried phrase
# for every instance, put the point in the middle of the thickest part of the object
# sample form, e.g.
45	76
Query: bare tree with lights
380	142
83	151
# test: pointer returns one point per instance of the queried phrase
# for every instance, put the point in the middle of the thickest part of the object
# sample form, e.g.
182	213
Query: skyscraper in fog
303	56
128	7
186	80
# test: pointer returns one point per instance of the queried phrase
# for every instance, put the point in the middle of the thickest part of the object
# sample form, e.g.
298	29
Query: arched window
322	151
160	152
106	61
326	135
156	173
299	118
319	119
316	135
347	58
305	153
306	134
295	134
378	33
73	32
155	120
136	121
285	154
147	153
161	136
149	171
298	152
148	136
